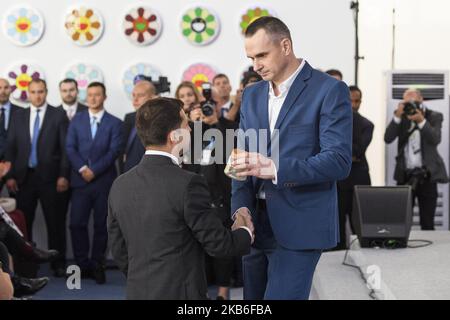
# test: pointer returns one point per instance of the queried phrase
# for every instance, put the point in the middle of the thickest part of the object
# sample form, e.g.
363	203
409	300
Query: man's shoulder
112	118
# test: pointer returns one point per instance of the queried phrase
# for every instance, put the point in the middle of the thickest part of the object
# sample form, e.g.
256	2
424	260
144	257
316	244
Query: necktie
131	139
93	126
2	120
33	156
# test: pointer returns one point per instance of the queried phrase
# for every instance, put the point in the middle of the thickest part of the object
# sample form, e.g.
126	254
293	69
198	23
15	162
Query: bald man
8	112
418	162
133	150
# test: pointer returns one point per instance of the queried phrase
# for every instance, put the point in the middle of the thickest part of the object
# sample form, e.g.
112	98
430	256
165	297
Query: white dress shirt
7	111
70	110
98	118
412	149
33	112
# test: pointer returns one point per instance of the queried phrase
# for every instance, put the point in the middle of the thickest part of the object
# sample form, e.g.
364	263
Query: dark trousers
62	206
426	194
84	200
30	192
358	176
272	272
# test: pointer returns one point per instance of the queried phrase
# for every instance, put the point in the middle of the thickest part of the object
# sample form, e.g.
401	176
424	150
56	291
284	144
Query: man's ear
174	136
286	46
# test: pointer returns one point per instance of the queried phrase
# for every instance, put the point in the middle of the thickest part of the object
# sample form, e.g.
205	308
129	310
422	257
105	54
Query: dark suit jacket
133	149
52	160
99	154
3	137
80	107
430	139
160	224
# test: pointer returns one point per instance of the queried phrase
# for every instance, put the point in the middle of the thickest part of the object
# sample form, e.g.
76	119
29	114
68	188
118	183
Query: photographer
218	270
418	162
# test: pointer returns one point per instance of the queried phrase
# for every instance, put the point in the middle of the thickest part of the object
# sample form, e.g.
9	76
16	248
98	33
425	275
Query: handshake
243	219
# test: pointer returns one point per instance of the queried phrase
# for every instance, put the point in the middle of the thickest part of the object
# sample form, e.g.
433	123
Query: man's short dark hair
273	26
98	84
41	81
156	118
335	72
355	88
220	75
69	80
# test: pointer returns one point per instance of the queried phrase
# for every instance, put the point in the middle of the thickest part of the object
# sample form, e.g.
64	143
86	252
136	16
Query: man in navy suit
93	144
290	186
8	112
40	170
133	150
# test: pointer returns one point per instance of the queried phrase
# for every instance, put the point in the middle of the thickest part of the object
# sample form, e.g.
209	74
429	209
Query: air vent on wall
414	79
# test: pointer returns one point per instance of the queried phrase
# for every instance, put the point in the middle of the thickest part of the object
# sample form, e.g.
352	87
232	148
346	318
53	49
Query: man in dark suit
93	144
40	170
133	150
298	144
359	174
8	112
68	89
418	161
160	219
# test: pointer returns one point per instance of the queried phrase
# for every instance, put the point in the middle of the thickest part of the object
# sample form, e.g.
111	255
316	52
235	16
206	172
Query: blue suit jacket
315	142
99	153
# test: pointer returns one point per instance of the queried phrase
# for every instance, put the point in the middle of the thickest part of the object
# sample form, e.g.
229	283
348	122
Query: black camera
411	108
416	176
161	86
209	105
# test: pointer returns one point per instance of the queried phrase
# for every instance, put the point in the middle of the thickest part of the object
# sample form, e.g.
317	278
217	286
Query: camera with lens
162	85
411	108
209	105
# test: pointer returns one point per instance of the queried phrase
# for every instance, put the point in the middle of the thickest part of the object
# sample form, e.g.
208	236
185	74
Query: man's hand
11	184
253	164
88	175
243	219
418	117
62	185
4	168
195	114
400	110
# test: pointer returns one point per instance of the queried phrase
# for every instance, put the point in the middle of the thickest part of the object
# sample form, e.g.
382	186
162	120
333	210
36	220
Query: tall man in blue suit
290	194
93	144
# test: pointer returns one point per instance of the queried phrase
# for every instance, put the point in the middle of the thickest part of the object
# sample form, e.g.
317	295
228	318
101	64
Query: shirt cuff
397	120
248	230
275	173
83	168
422	124
233	216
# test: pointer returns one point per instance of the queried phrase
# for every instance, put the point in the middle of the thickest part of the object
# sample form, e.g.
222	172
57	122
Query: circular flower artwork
198	74
133	73
84	74
20	77
84	26
200	26
252	14
23	25
142	26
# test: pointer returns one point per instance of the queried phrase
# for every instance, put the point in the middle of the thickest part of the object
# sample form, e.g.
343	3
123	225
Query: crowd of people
68	157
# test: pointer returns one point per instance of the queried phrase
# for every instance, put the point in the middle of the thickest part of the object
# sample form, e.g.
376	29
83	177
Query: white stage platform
405	274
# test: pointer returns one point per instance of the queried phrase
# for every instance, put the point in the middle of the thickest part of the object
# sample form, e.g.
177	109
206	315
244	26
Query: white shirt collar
175	160
227	105
7	105
67	107
98	115
42	109
286	84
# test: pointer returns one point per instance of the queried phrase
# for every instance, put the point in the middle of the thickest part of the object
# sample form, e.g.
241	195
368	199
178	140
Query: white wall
422	42
322	32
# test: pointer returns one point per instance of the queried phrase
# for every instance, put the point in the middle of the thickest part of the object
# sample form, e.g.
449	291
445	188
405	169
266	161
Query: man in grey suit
418	161
160	220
